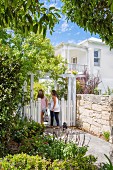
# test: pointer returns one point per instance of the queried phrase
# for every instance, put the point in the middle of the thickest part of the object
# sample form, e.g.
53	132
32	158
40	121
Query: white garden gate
33	111
66	112
68	108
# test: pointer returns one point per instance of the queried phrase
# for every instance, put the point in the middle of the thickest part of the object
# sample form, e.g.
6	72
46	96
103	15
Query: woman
44	104
54	108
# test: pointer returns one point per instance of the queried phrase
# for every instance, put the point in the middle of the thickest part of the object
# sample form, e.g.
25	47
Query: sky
67	32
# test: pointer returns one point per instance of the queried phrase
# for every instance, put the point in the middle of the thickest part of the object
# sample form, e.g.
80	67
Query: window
97	57
74	60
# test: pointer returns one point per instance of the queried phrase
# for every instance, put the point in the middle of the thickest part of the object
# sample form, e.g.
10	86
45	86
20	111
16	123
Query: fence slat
39	110
67	113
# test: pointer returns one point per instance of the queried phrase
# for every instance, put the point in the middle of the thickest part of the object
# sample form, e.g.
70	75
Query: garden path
97	146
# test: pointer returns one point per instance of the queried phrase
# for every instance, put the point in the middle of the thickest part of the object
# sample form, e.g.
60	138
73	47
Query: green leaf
35	28
40	28
6	4
52	8
28	3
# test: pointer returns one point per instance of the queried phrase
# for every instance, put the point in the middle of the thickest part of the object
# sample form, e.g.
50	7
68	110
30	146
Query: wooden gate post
74	101
69	101
62	111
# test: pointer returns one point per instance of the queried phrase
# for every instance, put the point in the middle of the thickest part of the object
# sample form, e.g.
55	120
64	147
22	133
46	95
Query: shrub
23	128
26	162
20	129
88	83
50	148
23	162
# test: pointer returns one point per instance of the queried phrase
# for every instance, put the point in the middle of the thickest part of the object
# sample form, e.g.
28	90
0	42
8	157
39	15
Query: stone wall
95	113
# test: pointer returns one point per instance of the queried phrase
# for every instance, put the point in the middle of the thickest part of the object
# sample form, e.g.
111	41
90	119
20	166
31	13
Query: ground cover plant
106	135
28	147
26	141
19	130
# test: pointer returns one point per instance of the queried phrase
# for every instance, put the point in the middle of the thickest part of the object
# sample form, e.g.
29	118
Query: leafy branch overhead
25	16
95	16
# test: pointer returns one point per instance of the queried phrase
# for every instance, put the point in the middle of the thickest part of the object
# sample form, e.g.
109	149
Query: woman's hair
40	94
54	93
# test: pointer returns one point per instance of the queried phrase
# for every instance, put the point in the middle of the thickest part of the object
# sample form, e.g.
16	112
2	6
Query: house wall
85	57
60	51
105	69
81	56
68	52
106	60
95	113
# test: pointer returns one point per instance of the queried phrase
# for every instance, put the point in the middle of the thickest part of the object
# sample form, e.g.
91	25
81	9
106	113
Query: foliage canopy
95	16
24	16
18	57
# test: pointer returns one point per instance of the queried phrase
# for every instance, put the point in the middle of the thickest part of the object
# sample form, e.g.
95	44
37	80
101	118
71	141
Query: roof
93	40
81	44
71	45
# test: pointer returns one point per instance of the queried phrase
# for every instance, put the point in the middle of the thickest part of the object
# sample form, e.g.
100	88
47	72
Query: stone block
96	107
87	97
82	102
105	128
111	107
79	123
91	113
87	113
106	108
89	120
105	122
87	105
111	119
81	110
106	115
79	96
98	115
83	117
95	129
86	126
95	123
105	99
99	121
111	98
78	103
95	99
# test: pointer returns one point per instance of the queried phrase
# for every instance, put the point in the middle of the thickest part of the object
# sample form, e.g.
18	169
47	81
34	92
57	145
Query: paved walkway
97	147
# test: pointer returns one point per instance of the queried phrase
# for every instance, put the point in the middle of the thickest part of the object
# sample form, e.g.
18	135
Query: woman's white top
57	107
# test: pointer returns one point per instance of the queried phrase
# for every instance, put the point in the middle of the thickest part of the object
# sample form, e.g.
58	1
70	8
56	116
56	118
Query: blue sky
66	31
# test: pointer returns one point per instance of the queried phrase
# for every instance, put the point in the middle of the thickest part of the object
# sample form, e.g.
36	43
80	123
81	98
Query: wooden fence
33	111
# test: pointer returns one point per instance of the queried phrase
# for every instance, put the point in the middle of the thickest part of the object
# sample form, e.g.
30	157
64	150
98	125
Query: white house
92	54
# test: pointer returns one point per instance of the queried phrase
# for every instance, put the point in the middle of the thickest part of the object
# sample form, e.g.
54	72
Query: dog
64	126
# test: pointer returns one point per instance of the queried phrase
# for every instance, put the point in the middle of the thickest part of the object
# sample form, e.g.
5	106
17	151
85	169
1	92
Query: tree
18	57
20	17
25	16
38	55
94	16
